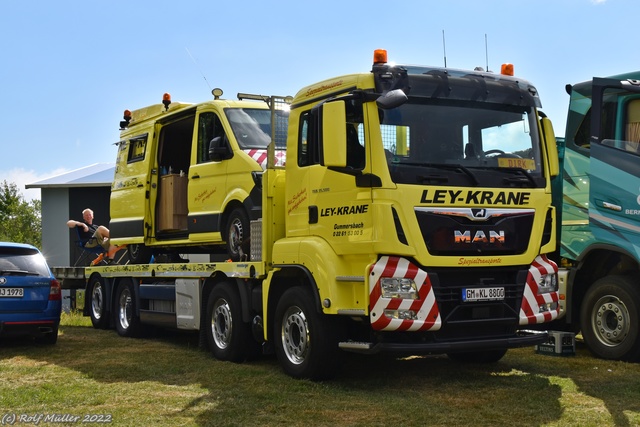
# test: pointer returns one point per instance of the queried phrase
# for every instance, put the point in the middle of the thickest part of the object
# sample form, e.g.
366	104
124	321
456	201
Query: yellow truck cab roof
334	85
155	111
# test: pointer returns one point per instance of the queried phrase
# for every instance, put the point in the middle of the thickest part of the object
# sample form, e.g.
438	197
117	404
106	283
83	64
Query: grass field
167	380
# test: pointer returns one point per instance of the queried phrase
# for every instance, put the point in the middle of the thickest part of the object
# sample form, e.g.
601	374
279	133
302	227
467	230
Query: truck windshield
456	142
252	127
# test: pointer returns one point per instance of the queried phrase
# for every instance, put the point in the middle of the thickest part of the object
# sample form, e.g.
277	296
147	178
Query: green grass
167	380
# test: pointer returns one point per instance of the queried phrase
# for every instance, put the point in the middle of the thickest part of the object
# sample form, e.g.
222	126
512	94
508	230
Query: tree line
20	219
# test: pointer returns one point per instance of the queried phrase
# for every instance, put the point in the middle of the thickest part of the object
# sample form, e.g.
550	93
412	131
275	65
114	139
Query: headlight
398	287
548	283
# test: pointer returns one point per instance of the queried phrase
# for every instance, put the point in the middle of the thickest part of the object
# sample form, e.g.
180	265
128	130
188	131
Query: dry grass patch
167	380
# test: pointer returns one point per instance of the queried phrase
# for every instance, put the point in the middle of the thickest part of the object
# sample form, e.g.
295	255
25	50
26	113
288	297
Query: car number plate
482	294
11	292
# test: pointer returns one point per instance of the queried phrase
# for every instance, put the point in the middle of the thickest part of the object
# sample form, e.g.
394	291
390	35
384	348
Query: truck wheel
487	356
306	341
610	318
127	321
227	335
139	253
237	235
97	298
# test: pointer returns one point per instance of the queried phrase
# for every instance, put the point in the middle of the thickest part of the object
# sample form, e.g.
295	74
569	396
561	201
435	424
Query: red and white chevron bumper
260	156
539	308
402	314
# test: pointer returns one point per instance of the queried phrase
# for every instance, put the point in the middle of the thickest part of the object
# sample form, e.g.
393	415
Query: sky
68	69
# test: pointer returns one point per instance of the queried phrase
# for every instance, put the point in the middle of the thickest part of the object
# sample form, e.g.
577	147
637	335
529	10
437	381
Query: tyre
97	303
127	321
49	339
139	253
237	235
487	356
228	336
610	319
306	341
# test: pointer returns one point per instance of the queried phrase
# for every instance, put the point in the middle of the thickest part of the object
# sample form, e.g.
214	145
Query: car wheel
237	235
48	339
139	253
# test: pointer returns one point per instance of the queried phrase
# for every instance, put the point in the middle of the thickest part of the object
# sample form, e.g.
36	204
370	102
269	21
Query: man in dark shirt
88	229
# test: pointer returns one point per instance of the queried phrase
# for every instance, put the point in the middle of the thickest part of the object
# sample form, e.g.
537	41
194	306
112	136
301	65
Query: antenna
444	50
486	51
199	70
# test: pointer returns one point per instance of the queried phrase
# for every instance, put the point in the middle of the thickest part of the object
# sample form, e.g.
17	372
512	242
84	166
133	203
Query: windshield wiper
454	167
528	177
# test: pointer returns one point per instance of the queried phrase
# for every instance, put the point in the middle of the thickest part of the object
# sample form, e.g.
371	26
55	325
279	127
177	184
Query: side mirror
219	149
334	134
551	147
392	99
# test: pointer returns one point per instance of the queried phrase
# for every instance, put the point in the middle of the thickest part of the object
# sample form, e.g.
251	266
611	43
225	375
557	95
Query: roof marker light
380	56
506	69
166	100
127	118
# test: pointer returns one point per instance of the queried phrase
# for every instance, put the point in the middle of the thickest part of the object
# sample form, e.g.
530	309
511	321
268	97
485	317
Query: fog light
551	306
398	287
401	314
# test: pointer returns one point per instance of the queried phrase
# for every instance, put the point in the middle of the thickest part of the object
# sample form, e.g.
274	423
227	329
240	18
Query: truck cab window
209	127
355	135
632	126
308	145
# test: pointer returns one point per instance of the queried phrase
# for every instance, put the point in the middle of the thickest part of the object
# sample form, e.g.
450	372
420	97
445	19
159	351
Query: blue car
30	297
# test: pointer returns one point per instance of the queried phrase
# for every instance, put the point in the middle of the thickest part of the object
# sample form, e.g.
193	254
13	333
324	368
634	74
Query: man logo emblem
479	213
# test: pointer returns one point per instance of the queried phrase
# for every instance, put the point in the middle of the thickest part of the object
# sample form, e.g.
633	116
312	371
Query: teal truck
598	201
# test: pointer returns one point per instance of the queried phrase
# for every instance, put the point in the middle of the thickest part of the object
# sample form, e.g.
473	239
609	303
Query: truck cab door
614	192
135	175
339	207
207	177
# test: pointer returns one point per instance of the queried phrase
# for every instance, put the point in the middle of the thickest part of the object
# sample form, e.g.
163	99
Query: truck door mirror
392	99
551	147
334	134
219	149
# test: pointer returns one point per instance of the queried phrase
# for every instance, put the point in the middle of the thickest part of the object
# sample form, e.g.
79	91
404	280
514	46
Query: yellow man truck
413	214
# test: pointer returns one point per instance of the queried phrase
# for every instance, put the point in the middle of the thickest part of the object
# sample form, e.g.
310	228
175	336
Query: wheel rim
610	320
221	323
236	235
124	309
295	335
97	299
134	251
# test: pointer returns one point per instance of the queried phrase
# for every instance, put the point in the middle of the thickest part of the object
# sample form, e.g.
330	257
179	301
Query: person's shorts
93	242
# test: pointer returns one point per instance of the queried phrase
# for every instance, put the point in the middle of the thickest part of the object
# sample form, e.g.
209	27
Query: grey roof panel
96	175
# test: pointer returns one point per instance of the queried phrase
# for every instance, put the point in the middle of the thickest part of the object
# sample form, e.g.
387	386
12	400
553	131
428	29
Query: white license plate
11	292
482	294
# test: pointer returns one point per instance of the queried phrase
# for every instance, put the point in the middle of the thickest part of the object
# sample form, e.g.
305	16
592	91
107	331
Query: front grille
448	284
475	232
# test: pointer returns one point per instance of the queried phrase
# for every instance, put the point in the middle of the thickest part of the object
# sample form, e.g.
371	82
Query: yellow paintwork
351	230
